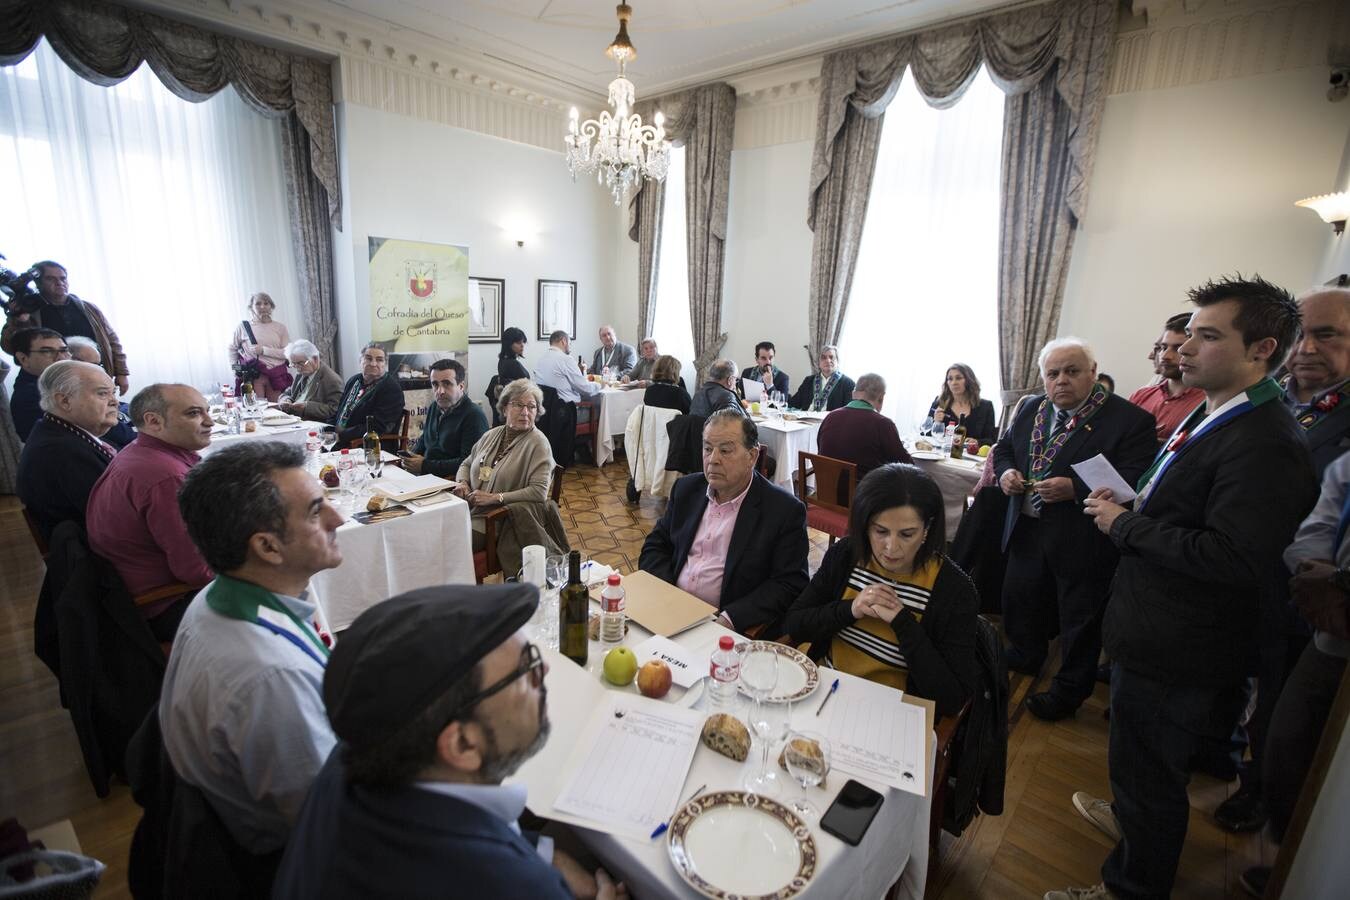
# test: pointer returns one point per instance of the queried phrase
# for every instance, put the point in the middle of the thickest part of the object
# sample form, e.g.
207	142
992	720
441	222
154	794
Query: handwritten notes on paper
630	764
877	736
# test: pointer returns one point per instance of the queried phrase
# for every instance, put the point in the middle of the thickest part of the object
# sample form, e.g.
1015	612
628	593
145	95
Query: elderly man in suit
374	394
1059	566
316	390
729	536
613	354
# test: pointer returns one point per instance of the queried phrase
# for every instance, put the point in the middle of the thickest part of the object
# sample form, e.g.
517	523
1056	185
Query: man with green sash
242	709
1215	510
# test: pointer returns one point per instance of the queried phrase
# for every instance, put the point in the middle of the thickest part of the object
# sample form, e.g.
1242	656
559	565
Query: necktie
1061	420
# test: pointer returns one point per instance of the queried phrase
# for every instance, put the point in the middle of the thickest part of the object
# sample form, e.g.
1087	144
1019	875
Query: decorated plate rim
684	819
798	657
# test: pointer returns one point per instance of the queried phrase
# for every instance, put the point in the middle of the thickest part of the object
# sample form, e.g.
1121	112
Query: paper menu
1099	473
875	735
630	764
753	389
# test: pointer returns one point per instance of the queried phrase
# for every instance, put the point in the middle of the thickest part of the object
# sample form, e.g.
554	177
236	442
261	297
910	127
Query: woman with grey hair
828	389
259	346
511	466
316	390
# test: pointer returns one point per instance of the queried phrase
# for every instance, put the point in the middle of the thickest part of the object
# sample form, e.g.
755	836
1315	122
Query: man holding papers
1215	510
1059	567
435	696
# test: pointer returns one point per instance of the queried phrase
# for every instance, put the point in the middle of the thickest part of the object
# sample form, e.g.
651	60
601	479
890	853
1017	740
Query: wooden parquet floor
1038	844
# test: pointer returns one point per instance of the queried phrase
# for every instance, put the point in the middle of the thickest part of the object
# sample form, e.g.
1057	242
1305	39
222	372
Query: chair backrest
36	533
559	426
836	479
392	441
493	394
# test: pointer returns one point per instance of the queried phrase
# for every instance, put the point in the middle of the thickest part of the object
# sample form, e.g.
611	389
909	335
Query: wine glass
555	575
807	754
759	674
328	437
376	464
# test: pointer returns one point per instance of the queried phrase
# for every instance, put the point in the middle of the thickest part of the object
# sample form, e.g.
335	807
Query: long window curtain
105	43
1058	51
168	215
703	120
927	270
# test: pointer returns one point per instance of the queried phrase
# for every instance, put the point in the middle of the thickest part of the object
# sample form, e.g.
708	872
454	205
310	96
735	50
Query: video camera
18	290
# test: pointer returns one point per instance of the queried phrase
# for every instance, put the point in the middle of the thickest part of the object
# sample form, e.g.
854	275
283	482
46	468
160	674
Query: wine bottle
573	612
370	443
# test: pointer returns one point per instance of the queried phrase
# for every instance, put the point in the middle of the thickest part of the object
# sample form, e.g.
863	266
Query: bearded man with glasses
436	697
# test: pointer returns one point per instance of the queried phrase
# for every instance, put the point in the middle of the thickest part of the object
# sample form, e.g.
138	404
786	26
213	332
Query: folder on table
662	608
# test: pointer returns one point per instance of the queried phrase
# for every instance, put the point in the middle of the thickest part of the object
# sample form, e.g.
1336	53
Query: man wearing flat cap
435	696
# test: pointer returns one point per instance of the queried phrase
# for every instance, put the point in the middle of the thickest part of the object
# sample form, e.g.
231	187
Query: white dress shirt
559	371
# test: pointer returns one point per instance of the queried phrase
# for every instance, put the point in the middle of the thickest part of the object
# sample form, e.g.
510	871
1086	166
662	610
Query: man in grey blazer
614	354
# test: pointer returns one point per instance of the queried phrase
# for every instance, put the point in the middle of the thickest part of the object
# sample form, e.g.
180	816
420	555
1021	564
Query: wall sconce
1333	208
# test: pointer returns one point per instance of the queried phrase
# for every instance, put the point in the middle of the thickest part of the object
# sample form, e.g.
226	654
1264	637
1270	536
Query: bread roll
725	734
376	503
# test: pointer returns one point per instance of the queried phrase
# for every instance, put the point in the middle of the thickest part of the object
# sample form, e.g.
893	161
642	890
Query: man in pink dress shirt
729	536
133	518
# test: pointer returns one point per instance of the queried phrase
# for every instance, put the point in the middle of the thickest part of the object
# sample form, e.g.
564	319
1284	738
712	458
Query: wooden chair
485	561
36	533
588	426
827	510
393	441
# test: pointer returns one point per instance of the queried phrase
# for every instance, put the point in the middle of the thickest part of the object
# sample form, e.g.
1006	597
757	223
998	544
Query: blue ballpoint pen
834	687
661	829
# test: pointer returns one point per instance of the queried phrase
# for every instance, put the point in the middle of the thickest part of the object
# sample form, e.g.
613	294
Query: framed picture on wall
557	308
487	309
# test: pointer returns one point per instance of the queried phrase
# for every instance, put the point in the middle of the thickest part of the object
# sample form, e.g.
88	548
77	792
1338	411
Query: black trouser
1296	726
1046	588
1278	657
1155	729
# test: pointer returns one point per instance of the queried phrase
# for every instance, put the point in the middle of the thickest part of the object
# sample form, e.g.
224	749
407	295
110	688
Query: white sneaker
1096	892
1098	812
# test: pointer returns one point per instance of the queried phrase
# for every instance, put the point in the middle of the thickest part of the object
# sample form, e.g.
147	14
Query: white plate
926	454
797	675
279	420
736	844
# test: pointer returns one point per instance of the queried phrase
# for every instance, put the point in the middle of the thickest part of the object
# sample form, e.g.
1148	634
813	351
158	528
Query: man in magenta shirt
729	536
1169	401
133	518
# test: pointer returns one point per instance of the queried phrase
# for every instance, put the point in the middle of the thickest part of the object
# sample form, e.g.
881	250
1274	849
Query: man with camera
56	308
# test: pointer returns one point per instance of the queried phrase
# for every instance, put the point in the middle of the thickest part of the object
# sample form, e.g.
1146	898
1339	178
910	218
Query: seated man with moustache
729	536
133	518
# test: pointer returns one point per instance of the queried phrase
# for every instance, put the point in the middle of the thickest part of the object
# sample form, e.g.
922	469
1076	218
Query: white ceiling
679	42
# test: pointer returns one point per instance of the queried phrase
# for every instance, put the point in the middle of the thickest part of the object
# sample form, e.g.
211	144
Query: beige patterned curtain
10	445
105	43
1051	60
703	120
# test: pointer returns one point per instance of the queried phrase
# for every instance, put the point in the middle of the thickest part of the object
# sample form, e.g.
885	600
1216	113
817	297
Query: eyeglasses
51	351
528	407
372	360
531	664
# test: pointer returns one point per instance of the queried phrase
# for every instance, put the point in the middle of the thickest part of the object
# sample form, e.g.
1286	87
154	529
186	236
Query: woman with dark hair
886	603
664	391
509	366
960	403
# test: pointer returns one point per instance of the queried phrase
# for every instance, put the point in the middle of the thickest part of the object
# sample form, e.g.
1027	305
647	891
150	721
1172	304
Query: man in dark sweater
859	433
1215	510
454	424
373	394
717	392
34	350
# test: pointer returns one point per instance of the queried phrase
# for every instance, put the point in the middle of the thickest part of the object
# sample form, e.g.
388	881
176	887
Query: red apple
654	679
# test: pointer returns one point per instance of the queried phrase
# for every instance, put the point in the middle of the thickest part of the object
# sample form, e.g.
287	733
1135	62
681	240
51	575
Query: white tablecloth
613	408
784	439
294	433
956	478
431	546
896	842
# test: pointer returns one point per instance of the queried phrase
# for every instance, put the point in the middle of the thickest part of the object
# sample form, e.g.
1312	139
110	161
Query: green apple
620	666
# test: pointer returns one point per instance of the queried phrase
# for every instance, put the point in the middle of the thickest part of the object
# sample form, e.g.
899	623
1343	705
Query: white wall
1193	182
418	180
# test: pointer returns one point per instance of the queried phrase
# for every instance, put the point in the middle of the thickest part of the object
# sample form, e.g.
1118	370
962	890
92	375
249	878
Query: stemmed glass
555	574
328	438
807	755
357	478
759	674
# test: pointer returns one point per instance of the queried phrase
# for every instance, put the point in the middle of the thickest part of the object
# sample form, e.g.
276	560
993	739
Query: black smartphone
851	812
403	453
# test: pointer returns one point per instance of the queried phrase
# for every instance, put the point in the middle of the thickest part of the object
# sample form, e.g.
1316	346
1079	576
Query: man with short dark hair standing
34	350
242	711
437	697
63	312
1215	511
454	424
1169	401
765	372
728	535
133	518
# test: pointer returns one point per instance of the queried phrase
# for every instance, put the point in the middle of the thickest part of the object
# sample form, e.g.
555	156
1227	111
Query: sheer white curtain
167	214
674	335
925	292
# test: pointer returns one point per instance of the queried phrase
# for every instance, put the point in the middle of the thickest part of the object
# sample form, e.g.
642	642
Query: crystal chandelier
617	147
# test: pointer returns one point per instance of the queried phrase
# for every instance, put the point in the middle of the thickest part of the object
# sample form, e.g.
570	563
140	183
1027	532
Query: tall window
925	291
167	214
674	335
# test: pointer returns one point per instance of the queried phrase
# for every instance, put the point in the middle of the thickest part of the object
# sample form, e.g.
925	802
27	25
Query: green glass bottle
574	609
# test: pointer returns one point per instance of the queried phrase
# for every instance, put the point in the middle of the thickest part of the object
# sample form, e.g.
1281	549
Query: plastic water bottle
948	436
604	374
233	419
724	672
312	451
611	613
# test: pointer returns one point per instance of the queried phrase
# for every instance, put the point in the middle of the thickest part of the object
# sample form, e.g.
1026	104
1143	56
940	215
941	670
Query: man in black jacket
1059	566
1215	510
729	536
374	393
717	392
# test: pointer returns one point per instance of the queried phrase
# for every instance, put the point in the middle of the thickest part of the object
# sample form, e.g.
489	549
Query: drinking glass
807	754
555	574
759	674
377	465
328	437
356	479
